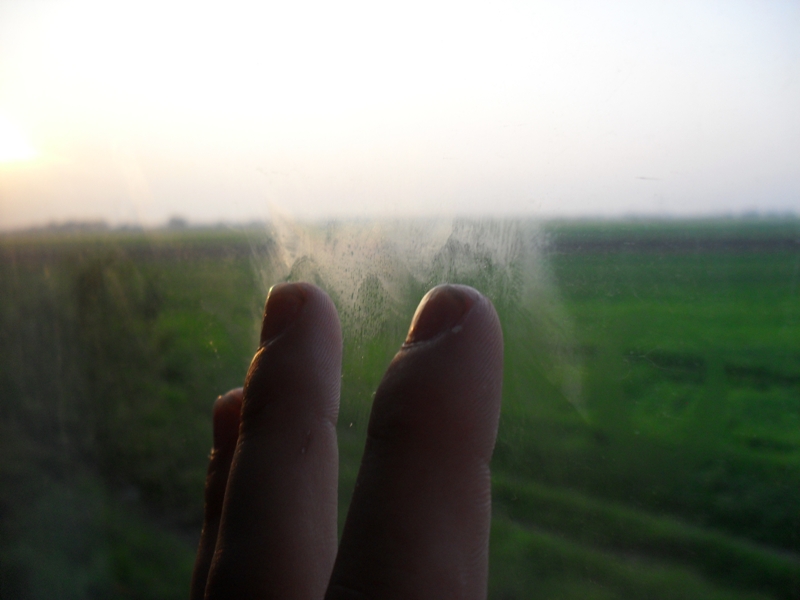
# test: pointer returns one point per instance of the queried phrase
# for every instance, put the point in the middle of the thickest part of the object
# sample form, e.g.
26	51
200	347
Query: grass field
650	436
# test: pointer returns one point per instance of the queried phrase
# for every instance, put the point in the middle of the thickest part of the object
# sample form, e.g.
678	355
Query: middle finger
277	536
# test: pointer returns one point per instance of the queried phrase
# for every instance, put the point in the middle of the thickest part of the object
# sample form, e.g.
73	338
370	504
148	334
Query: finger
277	536
418	525
227	410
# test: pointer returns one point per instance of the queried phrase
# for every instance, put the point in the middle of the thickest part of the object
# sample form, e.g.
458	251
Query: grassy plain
673	473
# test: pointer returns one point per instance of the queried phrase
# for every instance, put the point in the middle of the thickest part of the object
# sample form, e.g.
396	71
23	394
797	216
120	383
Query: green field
650	437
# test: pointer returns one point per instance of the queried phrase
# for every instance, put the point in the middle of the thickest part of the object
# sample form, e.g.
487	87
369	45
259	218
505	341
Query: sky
134	112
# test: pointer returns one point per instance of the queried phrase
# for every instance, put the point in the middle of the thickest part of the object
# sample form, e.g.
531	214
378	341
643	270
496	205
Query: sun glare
14	145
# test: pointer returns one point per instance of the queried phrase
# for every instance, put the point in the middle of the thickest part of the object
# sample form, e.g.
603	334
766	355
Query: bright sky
132	111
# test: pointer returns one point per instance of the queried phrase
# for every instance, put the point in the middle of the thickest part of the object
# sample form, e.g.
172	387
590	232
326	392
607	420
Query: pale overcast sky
135	111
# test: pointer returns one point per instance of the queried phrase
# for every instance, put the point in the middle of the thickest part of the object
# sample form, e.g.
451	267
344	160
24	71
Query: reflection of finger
277	537
227	410
418	525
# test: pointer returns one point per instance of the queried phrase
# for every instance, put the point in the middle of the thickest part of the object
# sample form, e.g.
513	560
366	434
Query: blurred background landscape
621	178
650	437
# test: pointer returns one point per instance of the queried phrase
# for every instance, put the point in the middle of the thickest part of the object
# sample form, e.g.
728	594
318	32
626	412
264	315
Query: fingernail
284	303
440	310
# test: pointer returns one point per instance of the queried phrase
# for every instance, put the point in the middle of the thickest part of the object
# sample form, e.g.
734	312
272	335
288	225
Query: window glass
622	182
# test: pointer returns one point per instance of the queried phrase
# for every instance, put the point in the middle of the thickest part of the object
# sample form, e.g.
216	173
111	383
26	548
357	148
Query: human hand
418	524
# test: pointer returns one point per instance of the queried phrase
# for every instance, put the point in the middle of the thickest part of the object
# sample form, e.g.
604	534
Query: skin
418	524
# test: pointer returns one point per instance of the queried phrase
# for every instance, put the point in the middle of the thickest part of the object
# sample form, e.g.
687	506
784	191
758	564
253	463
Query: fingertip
284	304
301	343
458	310
441	310
226	417
447	379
